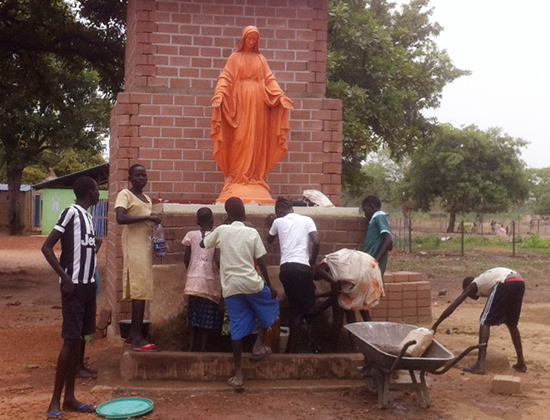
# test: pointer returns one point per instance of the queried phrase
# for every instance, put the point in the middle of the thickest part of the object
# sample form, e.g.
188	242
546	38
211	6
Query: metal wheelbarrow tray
372	338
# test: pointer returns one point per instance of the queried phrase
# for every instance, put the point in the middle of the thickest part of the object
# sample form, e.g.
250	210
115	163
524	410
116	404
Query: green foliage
535	242
427	242
468	170
60	65
539	180
386	68
68	162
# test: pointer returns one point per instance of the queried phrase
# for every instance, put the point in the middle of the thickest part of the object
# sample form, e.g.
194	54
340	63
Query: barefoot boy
78	290
246	295
504	289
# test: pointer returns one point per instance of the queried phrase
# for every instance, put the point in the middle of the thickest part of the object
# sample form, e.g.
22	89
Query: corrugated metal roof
100	173
23	188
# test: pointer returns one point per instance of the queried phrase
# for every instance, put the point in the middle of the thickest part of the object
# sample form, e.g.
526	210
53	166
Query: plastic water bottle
159	243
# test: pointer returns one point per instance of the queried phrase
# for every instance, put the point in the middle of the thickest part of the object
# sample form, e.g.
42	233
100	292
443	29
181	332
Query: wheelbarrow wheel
372	385
373	379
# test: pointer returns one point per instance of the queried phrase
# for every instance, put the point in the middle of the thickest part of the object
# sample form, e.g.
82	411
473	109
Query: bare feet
475	369
520	367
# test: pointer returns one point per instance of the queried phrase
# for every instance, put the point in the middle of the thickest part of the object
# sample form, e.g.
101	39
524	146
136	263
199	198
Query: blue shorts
245	309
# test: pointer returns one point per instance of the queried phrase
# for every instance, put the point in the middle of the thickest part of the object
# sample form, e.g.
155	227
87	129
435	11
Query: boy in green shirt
378	241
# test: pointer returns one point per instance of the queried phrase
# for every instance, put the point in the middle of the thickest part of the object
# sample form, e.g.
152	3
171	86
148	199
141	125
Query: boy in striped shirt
75	268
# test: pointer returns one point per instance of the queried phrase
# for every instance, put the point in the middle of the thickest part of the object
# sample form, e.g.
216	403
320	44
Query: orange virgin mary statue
249	122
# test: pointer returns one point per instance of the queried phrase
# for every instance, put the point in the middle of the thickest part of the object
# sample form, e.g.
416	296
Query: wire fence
417	234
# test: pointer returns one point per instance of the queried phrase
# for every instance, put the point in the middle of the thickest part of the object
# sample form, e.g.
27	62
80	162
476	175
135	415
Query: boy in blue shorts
76	269
247	296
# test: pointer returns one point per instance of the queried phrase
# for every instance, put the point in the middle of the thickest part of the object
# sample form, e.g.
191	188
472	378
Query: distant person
75	268
378	241
250	300
133	210
356	285
295	233
202	287
504	289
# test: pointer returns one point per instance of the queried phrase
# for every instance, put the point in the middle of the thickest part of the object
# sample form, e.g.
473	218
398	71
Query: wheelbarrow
375	339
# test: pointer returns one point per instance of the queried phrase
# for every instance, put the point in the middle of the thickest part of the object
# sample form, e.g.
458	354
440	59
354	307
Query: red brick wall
175	51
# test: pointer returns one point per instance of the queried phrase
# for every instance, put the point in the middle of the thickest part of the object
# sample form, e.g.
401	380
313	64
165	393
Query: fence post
410	234
513	238
462	238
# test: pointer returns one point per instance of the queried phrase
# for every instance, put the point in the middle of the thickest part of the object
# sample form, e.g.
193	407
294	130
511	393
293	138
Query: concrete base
180	366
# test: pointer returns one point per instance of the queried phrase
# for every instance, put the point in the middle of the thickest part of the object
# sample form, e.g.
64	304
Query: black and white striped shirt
78	253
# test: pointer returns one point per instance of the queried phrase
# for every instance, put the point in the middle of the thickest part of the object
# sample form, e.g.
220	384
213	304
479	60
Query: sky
506	46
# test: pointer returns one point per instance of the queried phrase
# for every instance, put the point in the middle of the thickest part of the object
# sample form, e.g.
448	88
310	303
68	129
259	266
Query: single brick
394	287
506	384
413	276
395	304
410	303
409	287
393	296
409	311
401	276
410	295
426	311
424	294
388	278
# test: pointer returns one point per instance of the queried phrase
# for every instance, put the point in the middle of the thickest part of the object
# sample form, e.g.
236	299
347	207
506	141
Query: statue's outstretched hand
216	101
286	103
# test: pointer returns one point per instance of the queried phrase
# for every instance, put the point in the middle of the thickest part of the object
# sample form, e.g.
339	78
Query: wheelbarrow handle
401	354
458	358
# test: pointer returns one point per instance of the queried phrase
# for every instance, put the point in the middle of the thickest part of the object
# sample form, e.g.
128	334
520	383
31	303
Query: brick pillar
174	53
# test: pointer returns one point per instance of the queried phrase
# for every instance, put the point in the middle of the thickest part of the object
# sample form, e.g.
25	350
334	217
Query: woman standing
249	121
133	210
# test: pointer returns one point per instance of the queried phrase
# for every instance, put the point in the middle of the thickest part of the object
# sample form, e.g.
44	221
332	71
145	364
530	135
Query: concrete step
211	367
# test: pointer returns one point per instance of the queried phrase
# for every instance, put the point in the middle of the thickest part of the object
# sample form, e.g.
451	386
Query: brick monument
174	54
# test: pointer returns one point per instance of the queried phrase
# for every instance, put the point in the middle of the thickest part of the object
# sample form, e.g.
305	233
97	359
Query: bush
428	242
535	242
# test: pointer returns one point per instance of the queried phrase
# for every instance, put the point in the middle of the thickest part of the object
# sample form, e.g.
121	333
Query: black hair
204	216
467	281
234	207
283	204
372	201
83	185
133	167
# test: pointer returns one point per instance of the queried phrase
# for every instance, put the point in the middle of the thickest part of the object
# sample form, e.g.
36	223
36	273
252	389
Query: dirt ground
30	342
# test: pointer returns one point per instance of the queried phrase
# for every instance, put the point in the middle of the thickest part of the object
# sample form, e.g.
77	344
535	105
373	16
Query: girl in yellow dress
133	210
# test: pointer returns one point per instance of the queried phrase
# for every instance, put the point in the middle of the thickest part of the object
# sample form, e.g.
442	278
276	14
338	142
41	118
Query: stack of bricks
407	299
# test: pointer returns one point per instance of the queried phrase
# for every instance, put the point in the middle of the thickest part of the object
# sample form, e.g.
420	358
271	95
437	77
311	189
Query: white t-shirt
293	231
486	281
239	245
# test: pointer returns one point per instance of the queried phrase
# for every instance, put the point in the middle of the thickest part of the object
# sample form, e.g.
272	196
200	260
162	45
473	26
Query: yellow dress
137	250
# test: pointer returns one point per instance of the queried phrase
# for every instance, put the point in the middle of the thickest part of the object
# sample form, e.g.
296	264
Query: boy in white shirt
504	289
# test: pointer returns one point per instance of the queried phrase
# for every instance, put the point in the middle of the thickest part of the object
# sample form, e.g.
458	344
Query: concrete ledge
257	209
168	365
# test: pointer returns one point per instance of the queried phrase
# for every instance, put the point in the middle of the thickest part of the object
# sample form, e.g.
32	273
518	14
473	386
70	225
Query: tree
60	67
539	180
468	170
386	68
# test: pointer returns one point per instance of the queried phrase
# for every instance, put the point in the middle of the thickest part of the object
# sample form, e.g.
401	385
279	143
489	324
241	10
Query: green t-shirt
373	240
